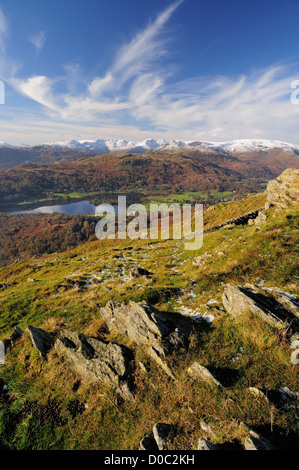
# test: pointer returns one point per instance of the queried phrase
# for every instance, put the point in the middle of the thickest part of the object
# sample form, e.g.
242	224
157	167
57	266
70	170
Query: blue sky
188	69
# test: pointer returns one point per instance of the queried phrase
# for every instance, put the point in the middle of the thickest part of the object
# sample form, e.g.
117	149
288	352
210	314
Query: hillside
24	236
220	373
15	156
172	172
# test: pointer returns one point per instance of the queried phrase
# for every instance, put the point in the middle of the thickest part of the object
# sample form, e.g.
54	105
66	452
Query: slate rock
41	340
203	444
162	434
7	344
148	443
16	335
261	218
96	361
199	372
284	190
239	300
160	333
257	442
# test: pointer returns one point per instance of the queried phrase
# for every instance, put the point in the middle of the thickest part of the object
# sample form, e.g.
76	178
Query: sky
209	70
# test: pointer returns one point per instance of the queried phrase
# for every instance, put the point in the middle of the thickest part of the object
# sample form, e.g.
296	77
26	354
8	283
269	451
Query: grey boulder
146	326
198	372
96	361
203	444
162	433
279	314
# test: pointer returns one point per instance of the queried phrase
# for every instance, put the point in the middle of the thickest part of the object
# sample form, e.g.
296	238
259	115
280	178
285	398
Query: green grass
245	353
73	195
188	197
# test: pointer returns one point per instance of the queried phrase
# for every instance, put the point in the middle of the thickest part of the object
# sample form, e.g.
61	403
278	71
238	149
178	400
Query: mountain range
281	154
112	145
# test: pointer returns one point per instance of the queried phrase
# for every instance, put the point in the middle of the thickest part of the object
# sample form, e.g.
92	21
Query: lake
75	208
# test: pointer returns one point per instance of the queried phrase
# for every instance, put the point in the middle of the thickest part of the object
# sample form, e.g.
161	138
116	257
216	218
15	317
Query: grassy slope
247	354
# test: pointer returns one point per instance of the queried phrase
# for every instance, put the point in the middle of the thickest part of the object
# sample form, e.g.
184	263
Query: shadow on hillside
230	445
226	376
161	294
272	307
4	447
282	439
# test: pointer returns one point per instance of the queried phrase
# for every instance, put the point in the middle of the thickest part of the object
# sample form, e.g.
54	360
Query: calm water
75	208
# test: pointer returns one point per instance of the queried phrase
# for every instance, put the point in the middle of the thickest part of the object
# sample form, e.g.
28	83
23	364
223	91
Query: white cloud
132	60
38	40
145	89
3	29
99	85
138	56
40	89
136	89
145	49
220	108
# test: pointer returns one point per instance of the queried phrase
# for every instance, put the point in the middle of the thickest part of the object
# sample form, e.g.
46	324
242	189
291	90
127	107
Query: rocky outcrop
41	340
281	192
159	439
284	190
248	440
201	373
162	434
251	299
282	398
203	444
146	326
257	393
261	218
96	361
7	344
148	443
256	442
288	302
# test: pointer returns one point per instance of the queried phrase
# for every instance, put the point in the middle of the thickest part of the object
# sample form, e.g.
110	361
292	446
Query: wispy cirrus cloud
38	40
217	107
8	66
136	89
3	29
132	60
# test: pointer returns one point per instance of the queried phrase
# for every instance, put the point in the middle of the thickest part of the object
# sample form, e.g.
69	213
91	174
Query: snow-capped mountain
247	145
115	145
5	145
109	145
234	146
272	152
